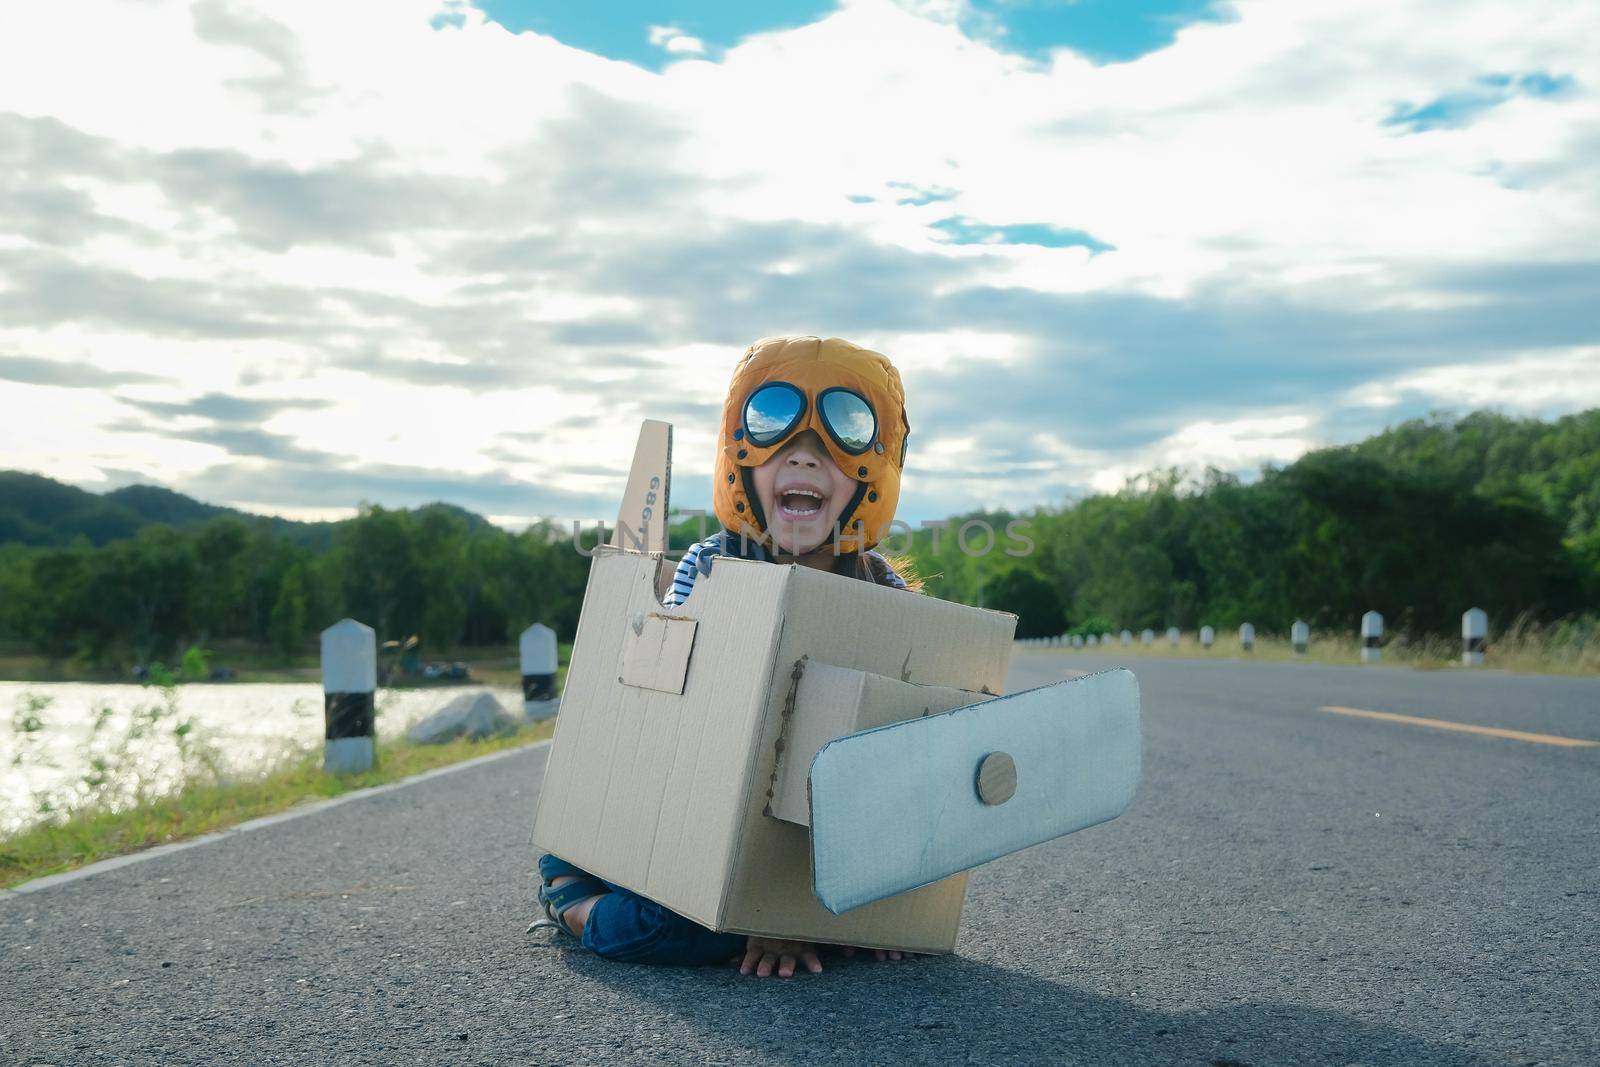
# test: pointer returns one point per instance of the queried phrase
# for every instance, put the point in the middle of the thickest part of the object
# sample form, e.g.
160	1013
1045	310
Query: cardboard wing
904	805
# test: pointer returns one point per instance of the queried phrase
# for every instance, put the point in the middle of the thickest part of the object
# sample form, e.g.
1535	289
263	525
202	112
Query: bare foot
881	953
765	956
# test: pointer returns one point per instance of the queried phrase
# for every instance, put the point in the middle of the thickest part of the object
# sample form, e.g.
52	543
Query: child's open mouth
800	505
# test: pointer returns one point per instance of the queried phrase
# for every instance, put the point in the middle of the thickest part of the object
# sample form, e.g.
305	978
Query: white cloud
1531	383
1239	446
675	41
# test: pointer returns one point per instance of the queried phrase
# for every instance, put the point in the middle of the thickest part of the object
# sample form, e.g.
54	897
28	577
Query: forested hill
1419	522
35	510
141	572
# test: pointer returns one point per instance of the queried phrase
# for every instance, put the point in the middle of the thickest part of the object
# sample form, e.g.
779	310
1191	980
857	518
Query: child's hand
761	954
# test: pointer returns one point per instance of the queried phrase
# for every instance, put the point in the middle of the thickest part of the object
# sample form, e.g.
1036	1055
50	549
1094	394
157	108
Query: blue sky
1457	109
398	251
1103	30
621	30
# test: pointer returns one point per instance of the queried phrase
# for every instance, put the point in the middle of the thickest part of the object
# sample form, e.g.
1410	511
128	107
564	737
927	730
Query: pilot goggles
772	412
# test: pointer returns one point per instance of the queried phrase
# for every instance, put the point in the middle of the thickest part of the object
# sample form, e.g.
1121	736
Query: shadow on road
952	1009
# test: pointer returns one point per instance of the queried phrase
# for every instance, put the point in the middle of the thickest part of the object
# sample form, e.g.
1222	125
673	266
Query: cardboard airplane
799	754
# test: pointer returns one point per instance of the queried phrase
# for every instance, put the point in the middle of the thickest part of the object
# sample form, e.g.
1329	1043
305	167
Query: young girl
812	445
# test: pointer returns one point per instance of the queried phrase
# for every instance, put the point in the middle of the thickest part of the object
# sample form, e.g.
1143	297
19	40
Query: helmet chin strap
758	517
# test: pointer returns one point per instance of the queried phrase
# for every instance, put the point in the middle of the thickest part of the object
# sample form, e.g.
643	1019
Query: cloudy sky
291	255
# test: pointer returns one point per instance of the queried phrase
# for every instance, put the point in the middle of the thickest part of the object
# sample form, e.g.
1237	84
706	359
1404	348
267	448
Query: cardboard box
671	743
779	755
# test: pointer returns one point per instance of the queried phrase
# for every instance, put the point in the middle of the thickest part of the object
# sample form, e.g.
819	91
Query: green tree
287	627
376	564
221	550
1029	597
440	537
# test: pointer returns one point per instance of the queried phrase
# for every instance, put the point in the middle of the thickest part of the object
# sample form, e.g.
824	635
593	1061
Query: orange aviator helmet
851	397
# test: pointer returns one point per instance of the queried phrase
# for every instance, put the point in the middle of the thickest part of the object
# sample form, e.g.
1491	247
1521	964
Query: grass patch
87	836
1523	649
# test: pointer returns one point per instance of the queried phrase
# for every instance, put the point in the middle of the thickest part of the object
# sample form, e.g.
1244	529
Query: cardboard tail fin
642	520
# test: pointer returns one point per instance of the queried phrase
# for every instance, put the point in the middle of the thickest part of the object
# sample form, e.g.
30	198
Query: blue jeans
624	926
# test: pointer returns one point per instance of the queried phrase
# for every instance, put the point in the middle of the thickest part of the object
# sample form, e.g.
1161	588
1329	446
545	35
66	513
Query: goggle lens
849	418
771	412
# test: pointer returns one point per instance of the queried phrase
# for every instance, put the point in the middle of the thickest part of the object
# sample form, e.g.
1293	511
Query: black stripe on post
348	715
538	687
1371	641
1475	644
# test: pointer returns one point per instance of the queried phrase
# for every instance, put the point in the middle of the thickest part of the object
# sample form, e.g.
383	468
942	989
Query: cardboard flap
831	702
655	652
905	805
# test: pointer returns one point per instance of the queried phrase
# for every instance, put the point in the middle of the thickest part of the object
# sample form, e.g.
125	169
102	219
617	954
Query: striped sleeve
695	558
683	577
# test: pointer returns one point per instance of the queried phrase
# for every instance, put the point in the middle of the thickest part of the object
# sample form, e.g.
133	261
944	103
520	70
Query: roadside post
1371	637
1077	640
1207	637
349	676
1174	635
1300	636
1247	637
1474	636
1092	640
1127	637
537	646
1148	637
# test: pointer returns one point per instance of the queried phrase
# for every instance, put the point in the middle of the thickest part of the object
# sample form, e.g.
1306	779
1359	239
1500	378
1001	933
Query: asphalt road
1292	886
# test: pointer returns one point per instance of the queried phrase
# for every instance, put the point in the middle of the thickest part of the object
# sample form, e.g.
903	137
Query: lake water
63	745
